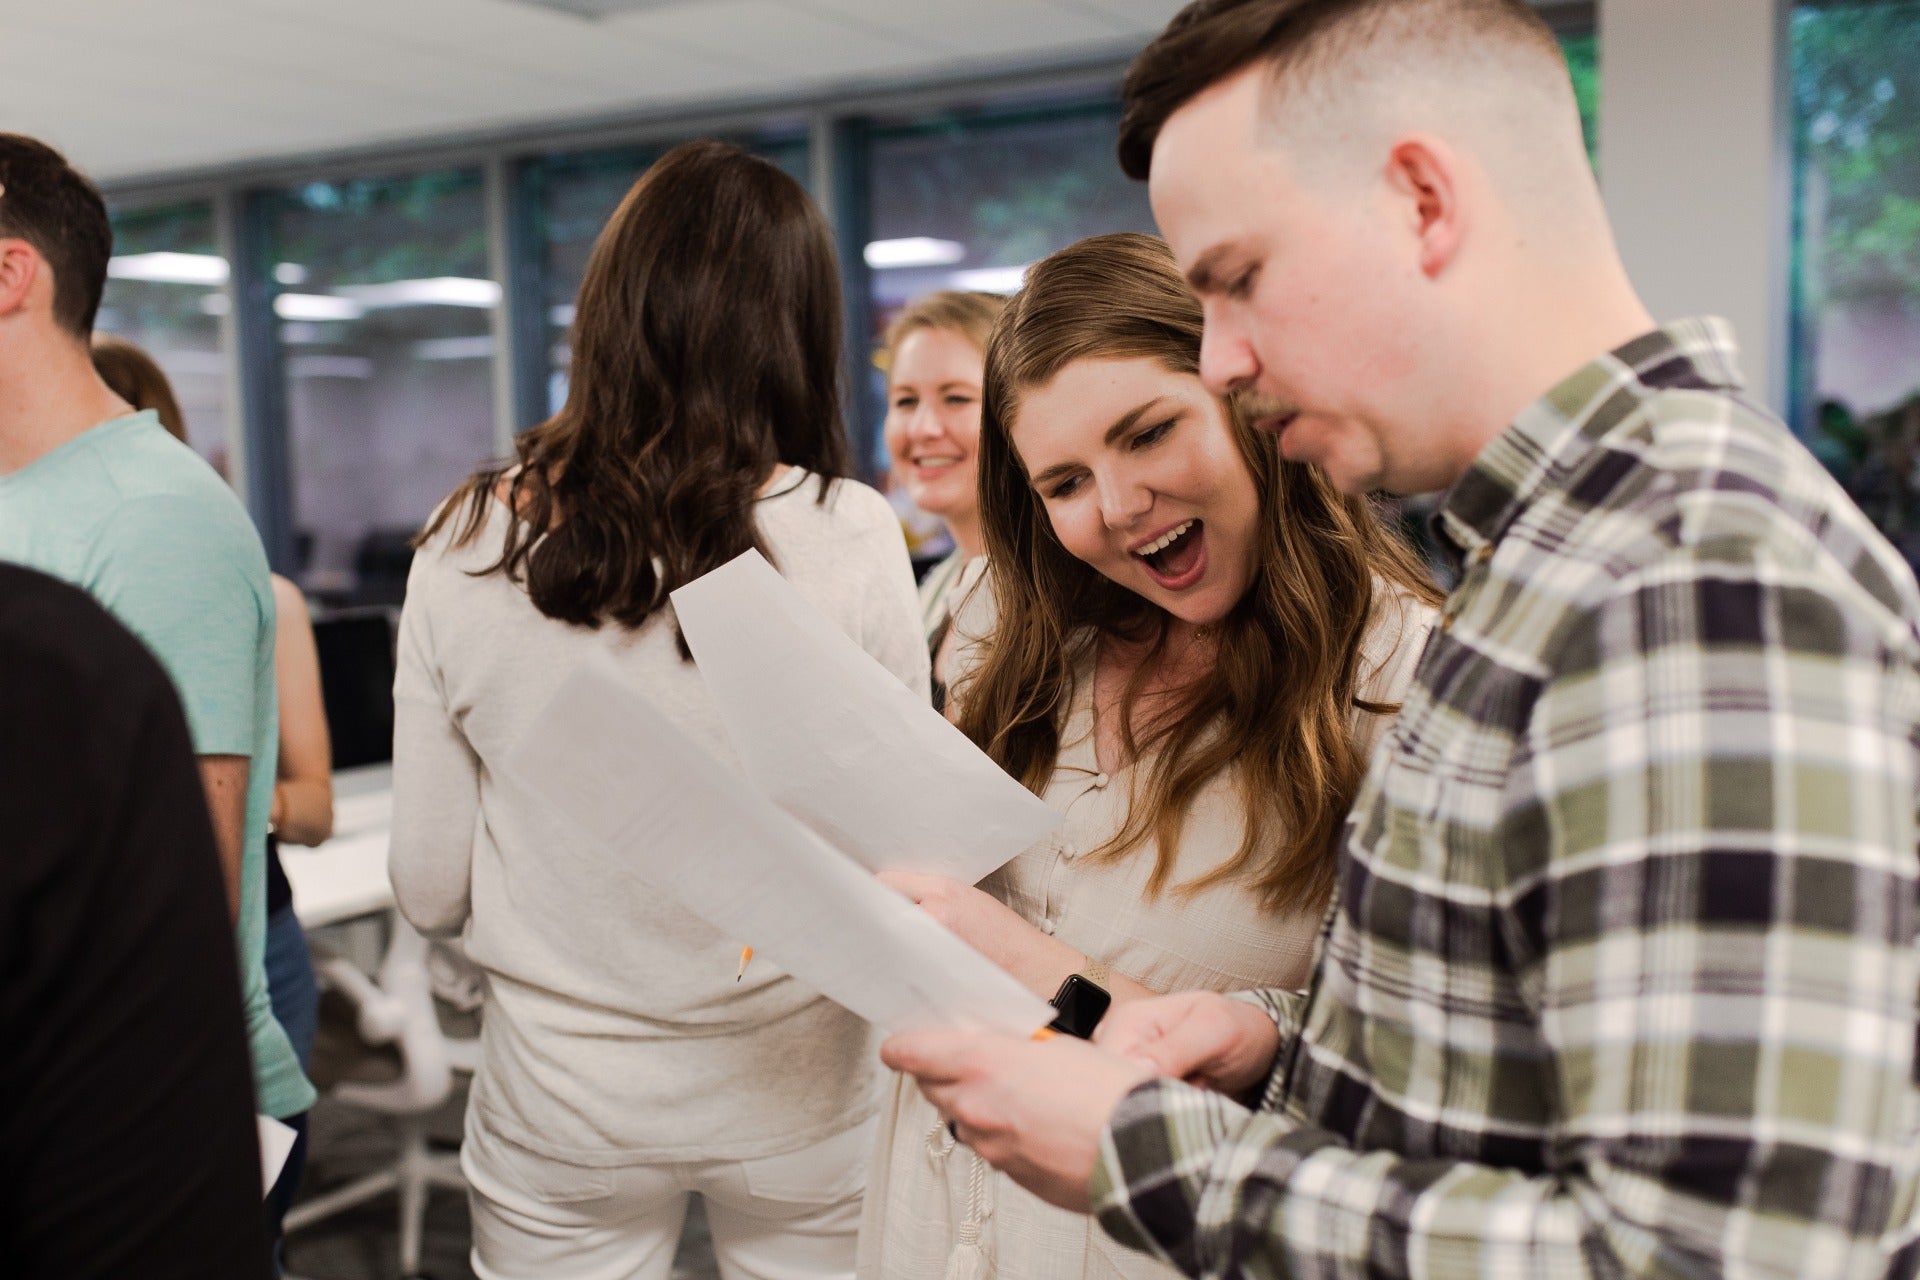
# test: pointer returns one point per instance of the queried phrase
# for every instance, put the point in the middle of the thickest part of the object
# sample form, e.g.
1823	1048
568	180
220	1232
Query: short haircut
1212	40
46	202
969	314
137	378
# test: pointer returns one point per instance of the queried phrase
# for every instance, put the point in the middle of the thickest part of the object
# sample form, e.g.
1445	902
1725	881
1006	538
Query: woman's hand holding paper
990	927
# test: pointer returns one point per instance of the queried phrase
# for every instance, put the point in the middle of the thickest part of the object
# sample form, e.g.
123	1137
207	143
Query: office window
166	292
1856	392
386	311
968	200
572	196
1582	49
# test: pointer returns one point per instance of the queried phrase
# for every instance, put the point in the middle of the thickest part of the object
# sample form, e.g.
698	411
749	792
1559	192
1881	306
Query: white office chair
412	1063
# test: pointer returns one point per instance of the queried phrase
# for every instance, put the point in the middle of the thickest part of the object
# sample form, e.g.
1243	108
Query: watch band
1096	972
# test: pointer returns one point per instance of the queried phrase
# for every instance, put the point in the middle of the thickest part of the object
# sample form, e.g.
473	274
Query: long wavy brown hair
706	350
1274	708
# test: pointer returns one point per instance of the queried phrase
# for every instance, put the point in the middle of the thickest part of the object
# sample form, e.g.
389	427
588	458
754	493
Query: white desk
347	876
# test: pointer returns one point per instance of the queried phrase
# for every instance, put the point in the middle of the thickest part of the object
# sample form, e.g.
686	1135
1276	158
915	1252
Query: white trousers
793	1216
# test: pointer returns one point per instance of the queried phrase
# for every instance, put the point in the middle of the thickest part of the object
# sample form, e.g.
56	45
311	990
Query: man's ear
1424	172
20	267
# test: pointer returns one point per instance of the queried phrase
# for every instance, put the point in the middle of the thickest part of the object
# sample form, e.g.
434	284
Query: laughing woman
1186	645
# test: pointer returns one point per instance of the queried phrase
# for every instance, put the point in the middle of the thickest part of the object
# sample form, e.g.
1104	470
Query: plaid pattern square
1621	976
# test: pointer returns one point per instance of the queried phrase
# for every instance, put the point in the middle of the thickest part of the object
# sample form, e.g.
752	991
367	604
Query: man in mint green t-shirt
104	498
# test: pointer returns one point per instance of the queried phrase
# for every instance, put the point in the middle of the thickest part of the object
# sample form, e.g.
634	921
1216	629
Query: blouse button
1046	926
1100	780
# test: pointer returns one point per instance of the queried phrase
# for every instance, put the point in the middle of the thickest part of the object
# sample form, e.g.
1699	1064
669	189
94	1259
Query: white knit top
614	1031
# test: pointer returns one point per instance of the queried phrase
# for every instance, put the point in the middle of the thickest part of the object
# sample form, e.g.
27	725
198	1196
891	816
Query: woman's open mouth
1177	558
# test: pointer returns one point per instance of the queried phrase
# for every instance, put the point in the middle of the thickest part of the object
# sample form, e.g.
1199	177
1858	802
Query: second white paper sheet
836	741
663	809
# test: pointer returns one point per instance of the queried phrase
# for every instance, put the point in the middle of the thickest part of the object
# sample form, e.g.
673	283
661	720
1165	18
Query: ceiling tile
132	89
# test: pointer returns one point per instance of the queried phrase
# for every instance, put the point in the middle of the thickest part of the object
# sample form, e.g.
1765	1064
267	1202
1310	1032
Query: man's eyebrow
1200	275
1121	426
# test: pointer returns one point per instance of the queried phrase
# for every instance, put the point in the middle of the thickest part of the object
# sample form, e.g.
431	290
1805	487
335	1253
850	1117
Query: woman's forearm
303	810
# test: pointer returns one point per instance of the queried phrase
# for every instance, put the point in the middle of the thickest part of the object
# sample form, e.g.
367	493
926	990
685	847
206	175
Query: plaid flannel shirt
1621	974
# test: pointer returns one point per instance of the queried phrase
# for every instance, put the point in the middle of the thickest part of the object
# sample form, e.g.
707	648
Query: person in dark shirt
127	1144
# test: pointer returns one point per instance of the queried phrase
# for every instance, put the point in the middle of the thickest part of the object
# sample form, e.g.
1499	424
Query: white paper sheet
834	739
661	808
276	1144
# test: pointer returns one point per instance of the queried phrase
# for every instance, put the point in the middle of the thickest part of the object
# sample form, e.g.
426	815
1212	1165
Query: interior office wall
1696	165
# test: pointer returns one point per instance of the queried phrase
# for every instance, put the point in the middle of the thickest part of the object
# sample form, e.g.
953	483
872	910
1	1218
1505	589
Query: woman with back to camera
623	1068
1185	644
935	356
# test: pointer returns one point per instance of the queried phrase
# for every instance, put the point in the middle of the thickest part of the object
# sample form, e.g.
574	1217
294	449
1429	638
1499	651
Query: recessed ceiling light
316	306
914	251
169	268
433	291
594	10
990	279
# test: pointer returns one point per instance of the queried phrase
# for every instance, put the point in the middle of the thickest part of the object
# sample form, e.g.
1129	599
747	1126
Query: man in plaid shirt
1620	976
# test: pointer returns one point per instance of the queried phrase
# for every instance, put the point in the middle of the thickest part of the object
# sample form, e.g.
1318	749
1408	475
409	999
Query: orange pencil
746	954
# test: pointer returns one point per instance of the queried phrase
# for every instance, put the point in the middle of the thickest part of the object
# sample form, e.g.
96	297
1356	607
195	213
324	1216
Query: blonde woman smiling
935	357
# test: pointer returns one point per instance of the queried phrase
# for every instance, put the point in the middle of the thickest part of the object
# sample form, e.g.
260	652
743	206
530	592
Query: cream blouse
929	1202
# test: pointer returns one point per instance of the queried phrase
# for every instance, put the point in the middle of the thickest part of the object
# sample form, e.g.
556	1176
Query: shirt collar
1544	448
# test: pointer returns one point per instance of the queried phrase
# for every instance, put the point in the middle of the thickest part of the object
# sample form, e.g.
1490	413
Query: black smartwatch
1080	1004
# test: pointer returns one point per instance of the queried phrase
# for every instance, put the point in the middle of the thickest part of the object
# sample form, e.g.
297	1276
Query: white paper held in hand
657	806
835	740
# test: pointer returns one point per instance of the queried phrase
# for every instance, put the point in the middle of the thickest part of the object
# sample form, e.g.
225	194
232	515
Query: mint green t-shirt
137	519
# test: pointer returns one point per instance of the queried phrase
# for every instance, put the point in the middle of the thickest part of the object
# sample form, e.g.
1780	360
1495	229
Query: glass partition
167	289
572	195
1856	324
385	310
968	200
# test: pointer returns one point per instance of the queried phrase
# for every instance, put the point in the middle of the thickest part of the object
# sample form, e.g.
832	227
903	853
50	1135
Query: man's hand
1197	1036
1034	1110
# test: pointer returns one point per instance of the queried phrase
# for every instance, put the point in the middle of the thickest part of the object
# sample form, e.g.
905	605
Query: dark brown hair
1275	707
46	202
706	350
1210	40
131	374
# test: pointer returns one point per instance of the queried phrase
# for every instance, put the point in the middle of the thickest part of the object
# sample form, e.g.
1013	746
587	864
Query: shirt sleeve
194	587
1710	893
436	776
890	628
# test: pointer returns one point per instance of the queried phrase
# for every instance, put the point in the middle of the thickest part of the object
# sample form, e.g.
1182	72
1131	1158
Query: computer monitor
356	681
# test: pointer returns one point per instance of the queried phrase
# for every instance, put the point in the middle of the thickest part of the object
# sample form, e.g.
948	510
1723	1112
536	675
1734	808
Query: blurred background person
301	812
935	353
623	1067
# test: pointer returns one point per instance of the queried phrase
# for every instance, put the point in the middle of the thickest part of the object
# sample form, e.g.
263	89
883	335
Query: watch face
1082	1004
